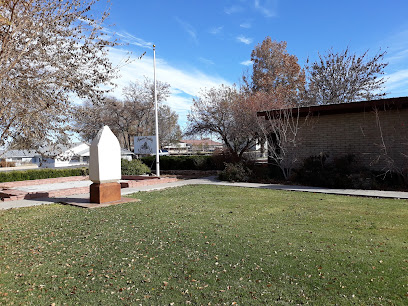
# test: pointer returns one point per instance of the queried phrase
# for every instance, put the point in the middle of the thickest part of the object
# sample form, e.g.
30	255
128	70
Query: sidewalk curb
153	185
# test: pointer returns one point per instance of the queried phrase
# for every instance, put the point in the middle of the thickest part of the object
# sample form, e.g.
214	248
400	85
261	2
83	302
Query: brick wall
358	134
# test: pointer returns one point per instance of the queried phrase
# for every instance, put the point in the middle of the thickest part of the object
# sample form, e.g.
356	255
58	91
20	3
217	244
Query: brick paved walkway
64	186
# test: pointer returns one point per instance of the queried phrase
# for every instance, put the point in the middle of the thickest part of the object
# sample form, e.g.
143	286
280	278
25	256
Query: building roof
342	108
197	142
18	153
47	151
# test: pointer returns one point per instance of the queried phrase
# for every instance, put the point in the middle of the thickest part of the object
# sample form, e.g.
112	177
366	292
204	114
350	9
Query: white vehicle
163	152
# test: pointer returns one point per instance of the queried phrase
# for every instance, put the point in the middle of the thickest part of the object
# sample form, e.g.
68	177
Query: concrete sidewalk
206	181
214	181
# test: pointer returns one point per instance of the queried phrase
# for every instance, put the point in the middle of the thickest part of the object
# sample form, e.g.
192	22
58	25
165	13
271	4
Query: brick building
375	132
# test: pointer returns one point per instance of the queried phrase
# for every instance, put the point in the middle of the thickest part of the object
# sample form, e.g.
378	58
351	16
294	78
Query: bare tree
392	157
132	117
143	91
277	81
88	120
50	51
139	101
345	77
280	127
169	130
222	111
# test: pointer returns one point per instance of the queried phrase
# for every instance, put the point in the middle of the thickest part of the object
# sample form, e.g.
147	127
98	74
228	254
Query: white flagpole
156	115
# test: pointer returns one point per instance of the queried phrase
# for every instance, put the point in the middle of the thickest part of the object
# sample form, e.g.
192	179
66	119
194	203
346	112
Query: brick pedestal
104	192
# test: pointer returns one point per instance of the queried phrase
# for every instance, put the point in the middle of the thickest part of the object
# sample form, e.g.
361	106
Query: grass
208	244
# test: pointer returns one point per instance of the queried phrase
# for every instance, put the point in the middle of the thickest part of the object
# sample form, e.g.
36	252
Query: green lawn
208	244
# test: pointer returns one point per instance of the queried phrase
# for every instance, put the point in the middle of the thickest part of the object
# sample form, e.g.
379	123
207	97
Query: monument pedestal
104	192
105	170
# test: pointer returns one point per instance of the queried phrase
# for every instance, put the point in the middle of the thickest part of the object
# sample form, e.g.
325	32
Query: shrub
191	162
35	174
315	171
344	172
266	173
235	172
222	157
134	167
389	181
341	172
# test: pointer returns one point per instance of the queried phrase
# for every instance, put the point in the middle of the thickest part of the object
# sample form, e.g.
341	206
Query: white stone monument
104	167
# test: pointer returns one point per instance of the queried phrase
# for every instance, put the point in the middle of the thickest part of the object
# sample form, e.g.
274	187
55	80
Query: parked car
161	153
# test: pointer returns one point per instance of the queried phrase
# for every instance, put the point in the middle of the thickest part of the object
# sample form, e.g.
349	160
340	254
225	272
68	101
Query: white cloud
185	84
181	105
246	63
245	25
216	30
268	8
206	61
398	41
398	56
396	84
133	40
397	52
245	40
189	29
233	9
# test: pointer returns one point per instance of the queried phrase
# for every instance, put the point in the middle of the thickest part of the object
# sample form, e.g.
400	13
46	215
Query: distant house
185	146
375	132
66	156
76	154
202	145
177	148
19	157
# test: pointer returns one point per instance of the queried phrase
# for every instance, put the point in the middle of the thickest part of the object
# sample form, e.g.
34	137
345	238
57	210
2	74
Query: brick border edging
43	181
47	194
140	177
144	181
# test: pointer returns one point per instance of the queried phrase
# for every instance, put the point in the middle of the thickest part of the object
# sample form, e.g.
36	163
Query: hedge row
135	167
24	175
192	162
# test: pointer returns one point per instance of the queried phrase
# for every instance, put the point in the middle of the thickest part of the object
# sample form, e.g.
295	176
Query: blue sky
201	44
